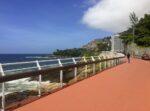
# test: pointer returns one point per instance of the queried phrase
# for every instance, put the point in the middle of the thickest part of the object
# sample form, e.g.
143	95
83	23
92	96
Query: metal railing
20	70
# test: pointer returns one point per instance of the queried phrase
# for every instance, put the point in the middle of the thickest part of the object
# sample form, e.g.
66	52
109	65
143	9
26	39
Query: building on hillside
116	44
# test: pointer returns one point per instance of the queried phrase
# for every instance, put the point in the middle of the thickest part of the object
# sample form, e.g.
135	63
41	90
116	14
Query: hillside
92	48
101	44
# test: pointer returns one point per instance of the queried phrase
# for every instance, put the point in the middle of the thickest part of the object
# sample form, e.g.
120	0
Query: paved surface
123	88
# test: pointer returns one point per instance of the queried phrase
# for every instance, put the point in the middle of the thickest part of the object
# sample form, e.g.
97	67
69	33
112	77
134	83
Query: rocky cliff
100	44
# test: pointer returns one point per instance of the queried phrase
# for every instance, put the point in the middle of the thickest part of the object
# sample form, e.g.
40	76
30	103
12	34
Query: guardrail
47	67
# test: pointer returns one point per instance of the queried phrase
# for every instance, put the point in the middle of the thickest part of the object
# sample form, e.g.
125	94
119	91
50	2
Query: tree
142	30
75	52
134	21
103	46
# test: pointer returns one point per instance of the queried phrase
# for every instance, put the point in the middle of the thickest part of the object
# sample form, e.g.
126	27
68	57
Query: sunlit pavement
123	88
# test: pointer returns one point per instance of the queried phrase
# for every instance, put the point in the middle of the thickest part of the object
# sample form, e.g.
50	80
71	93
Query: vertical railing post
100	66
112	63
3	89
105	62
124	60
61	73
120	60
85	66
108	62
40	78
116	61
93	64
75	69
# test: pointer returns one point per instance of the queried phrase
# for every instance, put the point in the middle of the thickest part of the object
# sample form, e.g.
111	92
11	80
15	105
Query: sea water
26	83
9	58
21	84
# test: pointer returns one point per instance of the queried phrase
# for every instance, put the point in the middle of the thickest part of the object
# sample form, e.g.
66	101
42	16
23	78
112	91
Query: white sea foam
36	57
21	85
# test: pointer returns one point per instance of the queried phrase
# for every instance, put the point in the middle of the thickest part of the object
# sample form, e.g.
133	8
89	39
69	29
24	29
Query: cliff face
92	48
101	44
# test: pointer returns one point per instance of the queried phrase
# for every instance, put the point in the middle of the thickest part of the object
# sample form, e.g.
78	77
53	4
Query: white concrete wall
117	45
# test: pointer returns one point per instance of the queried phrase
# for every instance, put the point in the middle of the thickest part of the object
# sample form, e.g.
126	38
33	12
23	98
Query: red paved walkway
123	88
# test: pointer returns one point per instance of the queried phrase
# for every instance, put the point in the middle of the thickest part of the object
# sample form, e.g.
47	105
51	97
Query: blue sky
42	26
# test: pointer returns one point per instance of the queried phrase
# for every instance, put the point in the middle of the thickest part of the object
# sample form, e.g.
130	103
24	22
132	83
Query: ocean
27	83
9	58
21	84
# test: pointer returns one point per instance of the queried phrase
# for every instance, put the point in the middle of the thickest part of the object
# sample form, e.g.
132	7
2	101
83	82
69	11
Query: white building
117	45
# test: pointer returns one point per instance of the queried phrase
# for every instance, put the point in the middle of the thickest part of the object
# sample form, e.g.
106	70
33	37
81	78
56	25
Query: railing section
85	66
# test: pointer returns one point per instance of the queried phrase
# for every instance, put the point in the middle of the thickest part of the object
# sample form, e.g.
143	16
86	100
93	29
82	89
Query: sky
113	15
42	26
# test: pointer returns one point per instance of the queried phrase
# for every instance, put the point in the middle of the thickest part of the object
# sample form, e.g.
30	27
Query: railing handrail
35	63
17	63
42	61
28	62
22	75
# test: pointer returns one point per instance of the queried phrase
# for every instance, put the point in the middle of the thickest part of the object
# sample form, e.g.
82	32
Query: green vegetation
76	52
103	46
99	45
93	48
140	31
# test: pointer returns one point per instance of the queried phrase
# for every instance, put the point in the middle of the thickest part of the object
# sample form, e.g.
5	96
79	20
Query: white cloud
113	15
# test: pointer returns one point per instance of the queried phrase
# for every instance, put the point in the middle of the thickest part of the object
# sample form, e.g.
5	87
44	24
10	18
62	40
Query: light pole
134	21
133	32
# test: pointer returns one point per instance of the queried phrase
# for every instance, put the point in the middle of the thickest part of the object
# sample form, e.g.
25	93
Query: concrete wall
138	51
117	45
